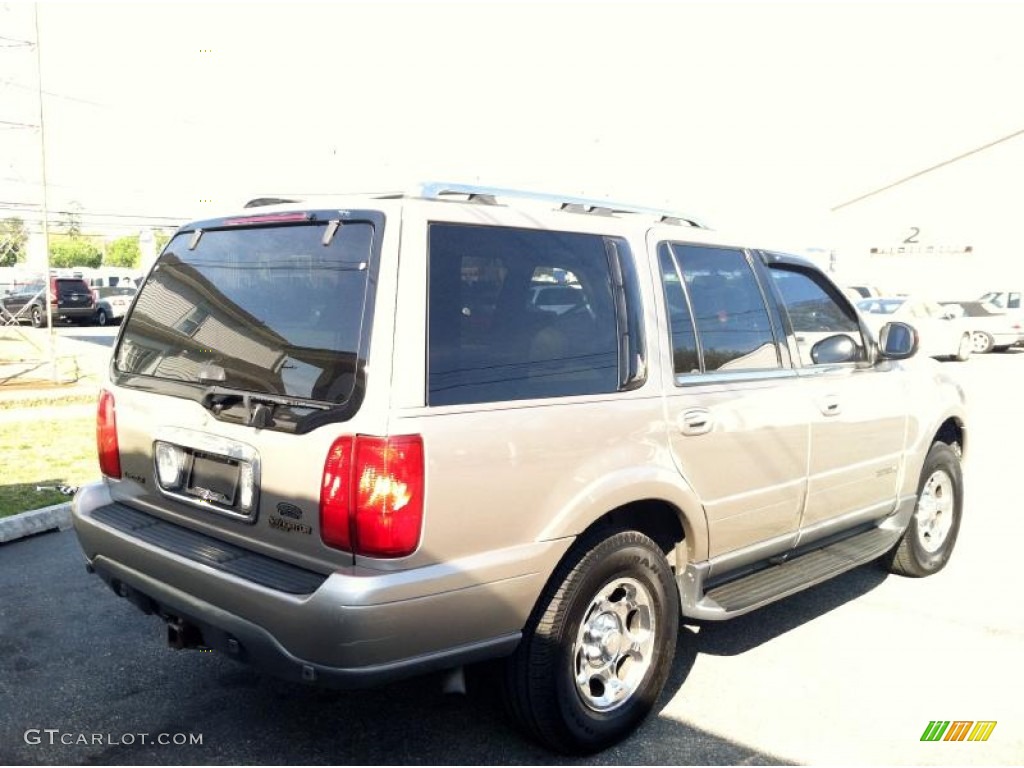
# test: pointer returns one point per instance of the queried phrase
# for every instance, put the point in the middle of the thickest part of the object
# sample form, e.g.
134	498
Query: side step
752	590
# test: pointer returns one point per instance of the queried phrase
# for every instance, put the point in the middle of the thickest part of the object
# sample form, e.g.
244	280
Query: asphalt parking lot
849	672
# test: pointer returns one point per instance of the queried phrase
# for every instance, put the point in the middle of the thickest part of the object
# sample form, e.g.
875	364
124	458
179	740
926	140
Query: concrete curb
35	521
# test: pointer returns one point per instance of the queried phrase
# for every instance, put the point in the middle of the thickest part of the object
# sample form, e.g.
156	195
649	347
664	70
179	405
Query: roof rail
435	190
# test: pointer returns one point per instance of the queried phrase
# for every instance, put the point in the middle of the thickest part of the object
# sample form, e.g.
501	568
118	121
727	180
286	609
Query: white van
111	278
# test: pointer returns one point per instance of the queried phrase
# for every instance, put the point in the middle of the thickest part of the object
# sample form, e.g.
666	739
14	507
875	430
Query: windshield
263	309
880	306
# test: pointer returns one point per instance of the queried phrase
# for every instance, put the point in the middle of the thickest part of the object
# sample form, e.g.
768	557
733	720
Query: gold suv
356	439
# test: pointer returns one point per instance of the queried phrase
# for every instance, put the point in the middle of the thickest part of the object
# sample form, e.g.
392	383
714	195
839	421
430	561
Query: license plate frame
213	479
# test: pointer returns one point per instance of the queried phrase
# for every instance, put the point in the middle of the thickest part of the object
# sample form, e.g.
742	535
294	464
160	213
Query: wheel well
659	520
952	433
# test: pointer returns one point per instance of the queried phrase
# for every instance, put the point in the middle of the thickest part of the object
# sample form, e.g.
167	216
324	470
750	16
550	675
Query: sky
755	116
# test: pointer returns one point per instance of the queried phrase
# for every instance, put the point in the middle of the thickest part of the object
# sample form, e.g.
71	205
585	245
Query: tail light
371	497
106	436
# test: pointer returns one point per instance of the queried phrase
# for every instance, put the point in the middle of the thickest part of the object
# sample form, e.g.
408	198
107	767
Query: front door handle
830	405
695	421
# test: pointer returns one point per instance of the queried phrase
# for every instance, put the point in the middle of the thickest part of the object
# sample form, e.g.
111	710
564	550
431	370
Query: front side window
733	328
815	311
517	314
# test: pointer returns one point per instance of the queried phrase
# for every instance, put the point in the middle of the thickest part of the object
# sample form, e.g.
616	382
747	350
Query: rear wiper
259	406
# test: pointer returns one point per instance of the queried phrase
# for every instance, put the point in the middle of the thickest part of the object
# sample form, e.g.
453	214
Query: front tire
928	542
598	647
36	316
981	342
102	318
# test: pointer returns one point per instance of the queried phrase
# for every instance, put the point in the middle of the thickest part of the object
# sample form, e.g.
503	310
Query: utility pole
52	332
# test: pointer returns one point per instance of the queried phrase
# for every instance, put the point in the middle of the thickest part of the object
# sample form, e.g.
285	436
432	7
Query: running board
753	590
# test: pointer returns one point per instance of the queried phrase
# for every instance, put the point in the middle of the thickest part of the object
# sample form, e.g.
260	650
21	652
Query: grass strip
44	452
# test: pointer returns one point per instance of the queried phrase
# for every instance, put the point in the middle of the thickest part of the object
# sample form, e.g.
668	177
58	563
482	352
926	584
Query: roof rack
435	190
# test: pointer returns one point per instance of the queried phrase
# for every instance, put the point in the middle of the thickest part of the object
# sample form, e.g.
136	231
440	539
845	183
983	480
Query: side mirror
897	341
835	349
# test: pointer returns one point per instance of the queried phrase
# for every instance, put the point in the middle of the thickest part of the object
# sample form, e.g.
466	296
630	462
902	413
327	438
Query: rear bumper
357	628
74	313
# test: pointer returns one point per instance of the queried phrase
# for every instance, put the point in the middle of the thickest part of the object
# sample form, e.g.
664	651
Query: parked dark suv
70	297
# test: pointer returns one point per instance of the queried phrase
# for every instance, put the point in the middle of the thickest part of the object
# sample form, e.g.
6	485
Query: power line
98	104
91	213
912	176
15	42
12	124
64	96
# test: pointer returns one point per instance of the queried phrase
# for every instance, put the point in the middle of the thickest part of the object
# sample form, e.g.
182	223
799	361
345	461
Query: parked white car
943	333
992	328
1008	300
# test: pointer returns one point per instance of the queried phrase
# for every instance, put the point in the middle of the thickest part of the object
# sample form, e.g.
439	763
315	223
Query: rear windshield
106	292
262	309
67	285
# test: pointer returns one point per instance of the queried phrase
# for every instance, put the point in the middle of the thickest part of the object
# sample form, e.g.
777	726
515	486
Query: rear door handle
695	421
830	405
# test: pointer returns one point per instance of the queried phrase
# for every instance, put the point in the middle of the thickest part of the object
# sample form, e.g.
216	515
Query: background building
951	230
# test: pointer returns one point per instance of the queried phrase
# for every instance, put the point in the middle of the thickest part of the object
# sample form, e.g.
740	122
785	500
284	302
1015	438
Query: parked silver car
344	443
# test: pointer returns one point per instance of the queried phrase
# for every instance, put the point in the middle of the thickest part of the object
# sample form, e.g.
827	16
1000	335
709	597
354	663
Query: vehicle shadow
77	659
739	635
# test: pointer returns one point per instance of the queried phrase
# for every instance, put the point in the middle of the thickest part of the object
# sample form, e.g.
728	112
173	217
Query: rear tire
598	647
928	541
102	318
964	350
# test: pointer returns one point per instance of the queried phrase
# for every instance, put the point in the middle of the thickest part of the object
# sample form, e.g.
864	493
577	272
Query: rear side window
518	314
264	309
728	310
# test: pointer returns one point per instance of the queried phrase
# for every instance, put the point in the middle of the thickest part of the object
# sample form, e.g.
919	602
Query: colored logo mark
958	730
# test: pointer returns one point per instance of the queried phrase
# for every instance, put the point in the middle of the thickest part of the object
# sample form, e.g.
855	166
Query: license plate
213	479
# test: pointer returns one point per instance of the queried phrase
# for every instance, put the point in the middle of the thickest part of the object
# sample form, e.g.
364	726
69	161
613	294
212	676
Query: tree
124	252
74	253
13	240
161	239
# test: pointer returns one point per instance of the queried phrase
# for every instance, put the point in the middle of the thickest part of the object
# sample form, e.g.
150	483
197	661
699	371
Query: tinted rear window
493	334
265	309
106	292
66	286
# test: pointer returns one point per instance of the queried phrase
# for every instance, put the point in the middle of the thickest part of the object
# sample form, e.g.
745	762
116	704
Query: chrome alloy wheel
615	644
935	511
